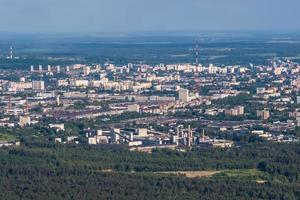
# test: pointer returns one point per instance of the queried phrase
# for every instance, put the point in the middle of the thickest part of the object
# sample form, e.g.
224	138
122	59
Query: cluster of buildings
100	91
23	85
145	140
275	138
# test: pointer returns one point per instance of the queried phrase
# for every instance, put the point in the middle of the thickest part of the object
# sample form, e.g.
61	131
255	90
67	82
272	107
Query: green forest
38	170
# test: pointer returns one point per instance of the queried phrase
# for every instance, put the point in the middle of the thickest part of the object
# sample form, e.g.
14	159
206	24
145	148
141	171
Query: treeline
240	99
34	184
276	159
50	171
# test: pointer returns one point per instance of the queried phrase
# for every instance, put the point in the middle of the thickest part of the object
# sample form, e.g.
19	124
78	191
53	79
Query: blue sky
147	15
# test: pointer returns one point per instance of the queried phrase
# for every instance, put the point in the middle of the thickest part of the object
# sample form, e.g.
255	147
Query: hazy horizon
143	16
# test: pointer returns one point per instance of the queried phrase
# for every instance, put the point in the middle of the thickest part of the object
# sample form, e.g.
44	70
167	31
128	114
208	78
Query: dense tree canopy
49	171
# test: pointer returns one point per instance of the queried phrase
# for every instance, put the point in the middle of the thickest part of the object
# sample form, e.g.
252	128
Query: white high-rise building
58	69
98	68
58	100
86	70
38	85
183	95
240	110
264	114
212	69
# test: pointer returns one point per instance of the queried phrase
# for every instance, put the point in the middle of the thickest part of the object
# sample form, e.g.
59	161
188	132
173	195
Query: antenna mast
11	55
197	50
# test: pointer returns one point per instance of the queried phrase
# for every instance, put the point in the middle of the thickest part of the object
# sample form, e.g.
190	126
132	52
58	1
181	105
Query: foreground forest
49	171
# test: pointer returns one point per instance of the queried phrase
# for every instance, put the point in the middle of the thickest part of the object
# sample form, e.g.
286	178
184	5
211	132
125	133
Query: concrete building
214	143
58	100
115	135
57	127
142	132
92	140
38	85
133	108
183	95
298	99
19	86
260	90
86	70
79	83
264	114
240	110
236	111
24	120
63	82
22	79
99	133
49	68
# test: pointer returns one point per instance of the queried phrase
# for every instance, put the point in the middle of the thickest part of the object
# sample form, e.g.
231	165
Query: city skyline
149	99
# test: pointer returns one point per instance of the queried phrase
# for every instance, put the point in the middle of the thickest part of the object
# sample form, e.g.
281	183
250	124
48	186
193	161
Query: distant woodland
49	171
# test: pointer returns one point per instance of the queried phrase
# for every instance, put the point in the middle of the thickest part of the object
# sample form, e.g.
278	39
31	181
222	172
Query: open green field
7	137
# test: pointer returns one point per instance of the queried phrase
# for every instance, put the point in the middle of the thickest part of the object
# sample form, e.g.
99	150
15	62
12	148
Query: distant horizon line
151	33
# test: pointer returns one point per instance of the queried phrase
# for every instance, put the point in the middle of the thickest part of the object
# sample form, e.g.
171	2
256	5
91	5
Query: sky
69	16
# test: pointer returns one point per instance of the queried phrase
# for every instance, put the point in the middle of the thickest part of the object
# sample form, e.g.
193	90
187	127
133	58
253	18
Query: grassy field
191	174
250	174
7	137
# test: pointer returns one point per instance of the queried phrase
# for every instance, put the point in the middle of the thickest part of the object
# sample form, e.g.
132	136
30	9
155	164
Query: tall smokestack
9	102
189	137
26	110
